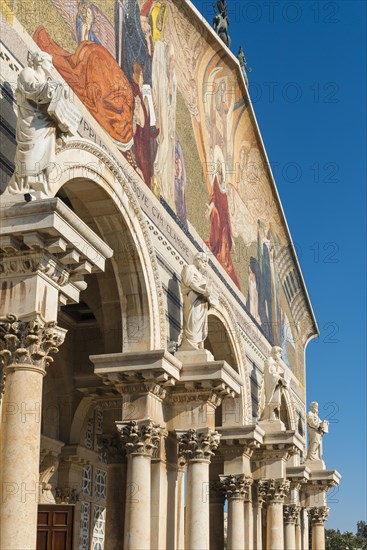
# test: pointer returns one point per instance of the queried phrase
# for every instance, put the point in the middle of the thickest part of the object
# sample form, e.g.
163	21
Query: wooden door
55	525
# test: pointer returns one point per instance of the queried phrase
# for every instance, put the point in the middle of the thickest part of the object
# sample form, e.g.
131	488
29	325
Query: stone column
249	518
197	447
318	516
276	491
140	439
304	529
291	515
216	504
159	494
236	489
180	503
298	534
24	357
258	509
111	448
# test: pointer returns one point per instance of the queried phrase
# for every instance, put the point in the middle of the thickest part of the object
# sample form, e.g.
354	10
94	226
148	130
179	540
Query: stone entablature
47	239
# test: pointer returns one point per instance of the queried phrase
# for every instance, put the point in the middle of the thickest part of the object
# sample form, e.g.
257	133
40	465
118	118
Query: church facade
153	314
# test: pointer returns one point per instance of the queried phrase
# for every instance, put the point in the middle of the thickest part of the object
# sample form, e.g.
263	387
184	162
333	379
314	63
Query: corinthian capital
291	513
236	487
28	342
273	490
318	515
110	446
139	437
198	445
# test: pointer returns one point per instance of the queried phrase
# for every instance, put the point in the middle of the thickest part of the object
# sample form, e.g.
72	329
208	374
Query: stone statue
197	297
274	385
243	64
221	21
44	114
316	429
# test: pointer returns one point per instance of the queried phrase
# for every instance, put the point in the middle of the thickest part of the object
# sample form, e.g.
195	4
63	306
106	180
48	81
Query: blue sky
308	85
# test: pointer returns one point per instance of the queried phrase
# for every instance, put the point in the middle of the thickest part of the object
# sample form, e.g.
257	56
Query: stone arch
82	162
225	319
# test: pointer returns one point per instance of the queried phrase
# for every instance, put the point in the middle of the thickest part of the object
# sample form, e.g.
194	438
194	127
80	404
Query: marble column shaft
197	447
24	357
237	489
291	515
140	439
249	525
180	504
216	500
111	449
274	491
318	516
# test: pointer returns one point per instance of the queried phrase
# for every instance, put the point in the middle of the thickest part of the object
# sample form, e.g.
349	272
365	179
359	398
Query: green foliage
335	540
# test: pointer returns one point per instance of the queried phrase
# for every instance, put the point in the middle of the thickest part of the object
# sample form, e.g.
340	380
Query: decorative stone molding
136	388
139	438
236	487
191	396
318	515
110	446
66	495
48	467
29	262
273	490
291	514
28	342
197	445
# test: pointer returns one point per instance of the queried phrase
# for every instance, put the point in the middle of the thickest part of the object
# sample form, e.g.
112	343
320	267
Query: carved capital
291	513
66	495
28	342
318	515
216	491
139	438
110	446
198	445
236	487
273	490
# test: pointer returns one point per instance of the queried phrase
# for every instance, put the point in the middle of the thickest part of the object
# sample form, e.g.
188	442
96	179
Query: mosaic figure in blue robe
131	44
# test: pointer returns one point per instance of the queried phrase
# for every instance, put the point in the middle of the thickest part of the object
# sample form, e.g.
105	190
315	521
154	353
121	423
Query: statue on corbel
316	429
46	115
275	385
198	296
